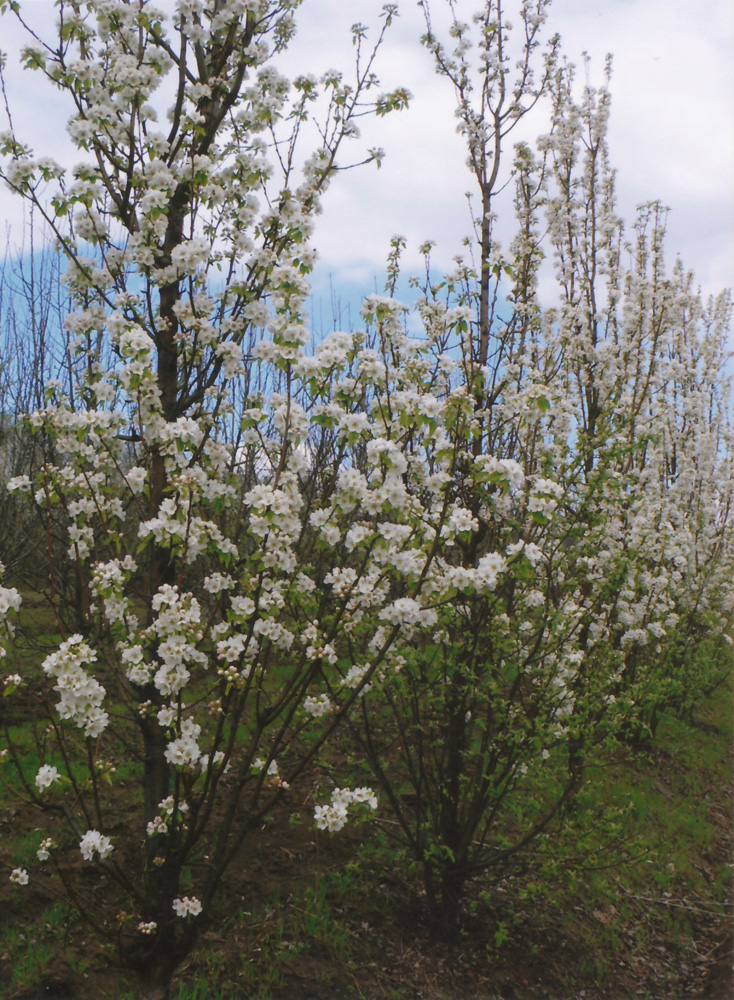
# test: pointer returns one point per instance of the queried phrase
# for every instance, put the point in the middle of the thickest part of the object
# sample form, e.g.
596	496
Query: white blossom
187	906
46	776
93	842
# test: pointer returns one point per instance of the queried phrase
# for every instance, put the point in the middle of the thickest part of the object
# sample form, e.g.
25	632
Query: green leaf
523	568
397	100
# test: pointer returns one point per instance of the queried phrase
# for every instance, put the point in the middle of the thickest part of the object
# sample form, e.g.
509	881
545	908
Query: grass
678	815
31	952
625	913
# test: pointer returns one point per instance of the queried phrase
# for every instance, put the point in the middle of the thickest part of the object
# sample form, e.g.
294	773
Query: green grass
30	951
638	858
616	893
671	829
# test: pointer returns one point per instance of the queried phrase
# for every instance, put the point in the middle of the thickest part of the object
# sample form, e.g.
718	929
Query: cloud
671	132
671	136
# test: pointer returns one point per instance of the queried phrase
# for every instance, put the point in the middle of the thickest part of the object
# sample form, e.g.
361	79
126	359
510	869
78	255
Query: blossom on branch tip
136	479
318	706
46	776
44	849
187	906
156	826
9	598
334	817
93	842
19	483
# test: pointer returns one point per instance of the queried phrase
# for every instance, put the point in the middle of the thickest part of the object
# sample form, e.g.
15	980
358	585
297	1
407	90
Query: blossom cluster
333	817
10	600
93	842
187	906
81	694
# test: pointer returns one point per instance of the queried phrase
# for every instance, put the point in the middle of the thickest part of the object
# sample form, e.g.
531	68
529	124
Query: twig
680	906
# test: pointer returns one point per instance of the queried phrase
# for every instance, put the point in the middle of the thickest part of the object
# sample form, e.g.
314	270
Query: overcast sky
672	128
671	134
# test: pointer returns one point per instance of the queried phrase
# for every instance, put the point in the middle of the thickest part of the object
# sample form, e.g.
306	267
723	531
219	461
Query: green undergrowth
658	876
618	906
634	891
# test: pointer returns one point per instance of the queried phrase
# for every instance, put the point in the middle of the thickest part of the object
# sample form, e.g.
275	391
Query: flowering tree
565	484
178	484
484	546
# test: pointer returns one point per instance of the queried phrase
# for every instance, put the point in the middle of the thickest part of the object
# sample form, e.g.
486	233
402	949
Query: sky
671	133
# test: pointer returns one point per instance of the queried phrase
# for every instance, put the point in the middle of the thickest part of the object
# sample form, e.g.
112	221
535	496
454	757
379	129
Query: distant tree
32	355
